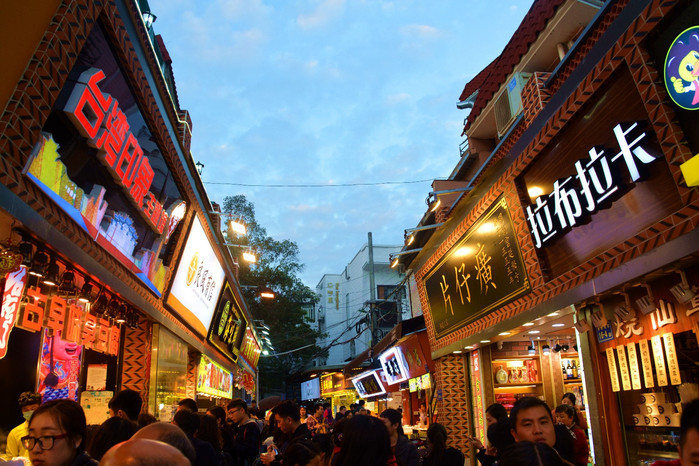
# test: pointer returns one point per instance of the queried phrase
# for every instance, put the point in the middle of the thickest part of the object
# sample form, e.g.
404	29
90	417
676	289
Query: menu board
483	271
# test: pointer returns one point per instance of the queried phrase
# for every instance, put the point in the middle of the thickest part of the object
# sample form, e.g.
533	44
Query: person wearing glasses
57	435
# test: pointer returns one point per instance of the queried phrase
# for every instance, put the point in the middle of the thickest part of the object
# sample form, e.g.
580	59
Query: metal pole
372	290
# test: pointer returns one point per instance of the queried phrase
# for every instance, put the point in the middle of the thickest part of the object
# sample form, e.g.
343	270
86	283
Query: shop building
115	271
565	236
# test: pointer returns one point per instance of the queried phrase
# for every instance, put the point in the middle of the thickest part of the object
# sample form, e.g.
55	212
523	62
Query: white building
343	313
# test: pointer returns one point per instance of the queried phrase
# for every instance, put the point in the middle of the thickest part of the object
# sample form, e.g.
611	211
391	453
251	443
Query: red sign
69	321
250	350
98	118
14	287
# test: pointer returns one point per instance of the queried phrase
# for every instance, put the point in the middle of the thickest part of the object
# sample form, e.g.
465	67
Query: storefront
582	199
338	390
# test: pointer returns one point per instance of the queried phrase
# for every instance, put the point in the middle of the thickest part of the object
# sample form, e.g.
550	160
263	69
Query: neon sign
597	183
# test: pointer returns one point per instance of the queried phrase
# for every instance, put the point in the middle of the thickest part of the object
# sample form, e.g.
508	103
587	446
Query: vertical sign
646	363
660	369
633	367
613	374
477	395
11	298
624	366
672	364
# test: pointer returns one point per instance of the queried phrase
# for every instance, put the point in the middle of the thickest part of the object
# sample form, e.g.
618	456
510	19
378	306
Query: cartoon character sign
60	368
682	69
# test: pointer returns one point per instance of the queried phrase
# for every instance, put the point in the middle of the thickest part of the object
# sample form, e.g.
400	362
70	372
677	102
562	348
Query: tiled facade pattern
450	376
136	361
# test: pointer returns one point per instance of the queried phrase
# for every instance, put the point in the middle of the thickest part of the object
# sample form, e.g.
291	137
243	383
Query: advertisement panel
250	350
228	327
310	389
213	379
198	281
98	161
394	365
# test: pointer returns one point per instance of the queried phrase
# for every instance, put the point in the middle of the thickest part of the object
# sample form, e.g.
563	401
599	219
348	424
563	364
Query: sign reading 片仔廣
484	270
595	185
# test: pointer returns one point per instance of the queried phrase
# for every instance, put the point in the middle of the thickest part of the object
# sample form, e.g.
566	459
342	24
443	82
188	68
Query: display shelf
518	385
659	454
514	358
578	381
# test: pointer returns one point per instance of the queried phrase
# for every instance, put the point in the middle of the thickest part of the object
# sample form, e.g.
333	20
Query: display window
168	373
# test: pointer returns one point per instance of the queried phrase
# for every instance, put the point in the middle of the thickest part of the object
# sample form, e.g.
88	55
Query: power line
309	185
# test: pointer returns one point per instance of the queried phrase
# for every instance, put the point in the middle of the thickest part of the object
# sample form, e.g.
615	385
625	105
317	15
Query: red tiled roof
488	81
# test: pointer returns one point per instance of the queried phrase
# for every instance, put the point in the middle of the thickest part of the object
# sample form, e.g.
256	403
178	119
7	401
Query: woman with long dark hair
365	441
438	454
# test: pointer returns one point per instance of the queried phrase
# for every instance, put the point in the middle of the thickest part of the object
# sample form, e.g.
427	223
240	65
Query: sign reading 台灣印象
481	272
198	280
595	185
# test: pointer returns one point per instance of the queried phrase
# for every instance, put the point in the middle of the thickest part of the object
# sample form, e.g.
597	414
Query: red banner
11	298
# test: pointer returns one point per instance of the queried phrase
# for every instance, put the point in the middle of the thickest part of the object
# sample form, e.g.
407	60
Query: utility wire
310	185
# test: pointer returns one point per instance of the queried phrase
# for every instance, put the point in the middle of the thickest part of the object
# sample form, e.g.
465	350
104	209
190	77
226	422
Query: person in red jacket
565	414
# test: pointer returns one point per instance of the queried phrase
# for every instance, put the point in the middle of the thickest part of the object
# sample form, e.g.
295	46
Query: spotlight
565	347
26	249
86	293
101	304
68	281
51	278
121	314
557	348
39	264
531	349
546	349
112	308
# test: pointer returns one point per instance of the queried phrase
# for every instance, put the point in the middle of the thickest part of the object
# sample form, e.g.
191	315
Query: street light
248	255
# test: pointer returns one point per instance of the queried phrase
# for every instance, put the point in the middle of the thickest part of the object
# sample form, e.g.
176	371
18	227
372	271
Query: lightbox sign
595	185
368	384
228	327
310	389
394	366
198	281
99	162
213	379
682	69
250	350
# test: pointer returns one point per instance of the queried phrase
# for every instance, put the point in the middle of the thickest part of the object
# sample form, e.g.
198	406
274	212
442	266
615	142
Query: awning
401	330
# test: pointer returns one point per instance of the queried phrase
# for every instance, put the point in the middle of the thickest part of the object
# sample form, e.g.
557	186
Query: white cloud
421	30
325	11
394	99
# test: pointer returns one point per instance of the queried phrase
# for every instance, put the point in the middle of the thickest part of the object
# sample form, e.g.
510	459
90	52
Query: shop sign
659	360
310	389
672	364
250	350
613	373
198	281
605	333
680	72
368	384
213	379
228	327
483	271
478	407
633	366
332	383
595	185
11	298
394	366
422	382
646	363
120	210
624	367
72	322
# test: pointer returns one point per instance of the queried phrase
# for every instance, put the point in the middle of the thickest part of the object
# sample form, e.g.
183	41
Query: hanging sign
228	327
483	271
624	367
659	360
673	365
613	374
647	364
11	298
633	367
394	365
680	72
595	185
213	379
250	350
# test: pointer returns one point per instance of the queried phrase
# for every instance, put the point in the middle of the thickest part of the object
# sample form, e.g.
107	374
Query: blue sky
329	92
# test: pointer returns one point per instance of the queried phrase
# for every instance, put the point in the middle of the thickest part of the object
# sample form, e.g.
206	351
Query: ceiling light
558	325
468	347
534	332
529	324
554	313
458	352
485	341
502	334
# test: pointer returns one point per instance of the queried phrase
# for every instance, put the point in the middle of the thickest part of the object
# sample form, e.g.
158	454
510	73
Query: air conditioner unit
508	105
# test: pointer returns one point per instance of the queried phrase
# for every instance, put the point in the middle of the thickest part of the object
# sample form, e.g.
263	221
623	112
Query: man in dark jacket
288	419
246	439
404	449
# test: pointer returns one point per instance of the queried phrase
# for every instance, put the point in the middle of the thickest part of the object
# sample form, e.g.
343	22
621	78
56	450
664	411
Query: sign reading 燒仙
595	185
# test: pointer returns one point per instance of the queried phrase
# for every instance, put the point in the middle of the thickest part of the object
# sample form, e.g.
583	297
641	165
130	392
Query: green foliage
277	268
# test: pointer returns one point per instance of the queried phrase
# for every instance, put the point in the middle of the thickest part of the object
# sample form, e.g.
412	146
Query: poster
96	405
59	369
96	377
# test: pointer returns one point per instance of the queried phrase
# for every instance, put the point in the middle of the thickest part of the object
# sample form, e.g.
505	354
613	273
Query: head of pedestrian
28	402
565	414
237	411
141	451
287	417
187	403
393	421
689	433
494	413
126	404
56	435
532	421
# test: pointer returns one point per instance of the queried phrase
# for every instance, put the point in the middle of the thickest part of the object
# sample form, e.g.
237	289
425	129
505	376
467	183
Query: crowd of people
55	434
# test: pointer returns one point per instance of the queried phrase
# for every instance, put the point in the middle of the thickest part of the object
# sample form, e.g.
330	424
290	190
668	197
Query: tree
277	268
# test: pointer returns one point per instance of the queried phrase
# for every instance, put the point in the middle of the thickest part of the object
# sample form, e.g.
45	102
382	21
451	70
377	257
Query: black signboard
228	326
483	271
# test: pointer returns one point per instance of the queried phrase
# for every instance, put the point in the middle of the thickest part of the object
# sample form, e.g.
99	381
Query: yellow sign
613	374
624	366
659	359
690	171
646	363
672	364
633	366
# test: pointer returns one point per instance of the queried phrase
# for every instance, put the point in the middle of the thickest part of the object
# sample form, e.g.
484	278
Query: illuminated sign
14	287
394	366
198	280
368	384
596	184
681	70
69	320
422	382
250	350
310	389
332	383
228	327
213	379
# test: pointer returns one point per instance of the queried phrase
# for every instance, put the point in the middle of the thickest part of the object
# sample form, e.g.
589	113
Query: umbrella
269	402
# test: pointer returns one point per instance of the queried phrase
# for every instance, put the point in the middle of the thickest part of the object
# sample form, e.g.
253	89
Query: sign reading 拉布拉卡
481	272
